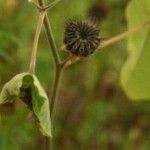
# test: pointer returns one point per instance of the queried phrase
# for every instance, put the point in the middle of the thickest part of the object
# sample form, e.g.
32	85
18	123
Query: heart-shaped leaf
135	76
27	87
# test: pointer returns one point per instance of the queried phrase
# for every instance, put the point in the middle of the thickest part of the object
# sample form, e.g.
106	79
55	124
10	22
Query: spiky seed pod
81	37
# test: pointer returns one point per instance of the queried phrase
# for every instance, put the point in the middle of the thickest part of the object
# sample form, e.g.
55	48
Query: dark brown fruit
81	37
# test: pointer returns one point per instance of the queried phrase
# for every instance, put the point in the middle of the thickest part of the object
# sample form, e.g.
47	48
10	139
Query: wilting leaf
27	87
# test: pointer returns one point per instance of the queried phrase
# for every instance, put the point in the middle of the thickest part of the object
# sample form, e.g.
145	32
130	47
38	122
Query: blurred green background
93	112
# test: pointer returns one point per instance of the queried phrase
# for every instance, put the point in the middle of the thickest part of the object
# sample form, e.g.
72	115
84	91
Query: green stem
55	90
51	4
35	42
50	37
58	71
40	8
125	34
56	59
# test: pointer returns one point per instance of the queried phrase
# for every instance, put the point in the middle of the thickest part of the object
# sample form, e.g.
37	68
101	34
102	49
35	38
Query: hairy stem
35	42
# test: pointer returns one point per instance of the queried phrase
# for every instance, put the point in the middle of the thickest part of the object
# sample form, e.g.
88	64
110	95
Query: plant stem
124	35
35	42
52	4
50	37
68	60
55	90
56	56
40	8
58	71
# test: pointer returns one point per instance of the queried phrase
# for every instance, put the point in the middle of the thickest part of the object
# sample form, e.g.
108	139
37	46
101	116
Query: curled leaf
27	87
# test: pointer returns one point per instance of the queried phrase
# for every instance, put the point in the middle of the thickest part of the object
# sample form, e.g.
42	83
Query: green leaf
27	87
135	76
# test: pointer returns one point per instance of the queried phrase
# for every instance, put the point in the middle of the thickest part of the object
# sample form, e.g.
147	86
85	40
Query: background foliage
138	61
93	111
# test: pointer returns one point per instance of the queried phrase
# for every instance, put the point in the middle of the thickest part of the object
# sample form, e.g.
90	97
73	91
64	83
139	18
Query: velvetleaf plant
81	38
